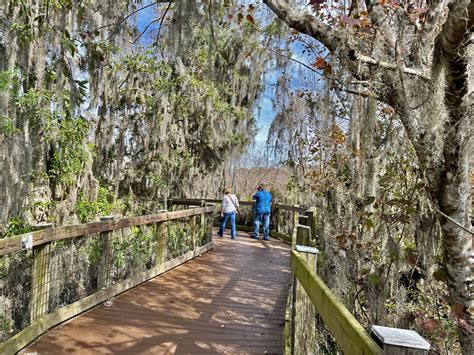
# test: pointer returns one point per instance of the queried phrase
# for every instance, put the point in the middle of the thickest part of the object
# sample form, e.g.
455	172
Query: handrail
14	244
192	201
347	331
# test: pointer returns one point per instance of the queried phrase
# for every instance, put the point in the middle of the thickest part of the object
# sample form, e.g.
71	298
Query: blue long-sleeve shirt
263	200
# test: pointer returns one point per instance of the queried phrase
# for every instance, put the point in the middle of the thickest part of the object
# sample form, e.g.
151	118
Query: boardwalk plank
230	300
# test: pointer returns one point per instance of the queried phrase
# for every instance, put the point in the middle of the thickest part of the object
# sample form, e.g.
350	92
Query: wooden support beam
194	231
105	263
302	235
311	214
278	218
161	240
202	224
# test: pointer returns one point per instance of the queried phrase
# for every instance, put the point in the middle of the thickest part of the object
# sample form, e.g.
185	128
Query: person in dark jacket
262	209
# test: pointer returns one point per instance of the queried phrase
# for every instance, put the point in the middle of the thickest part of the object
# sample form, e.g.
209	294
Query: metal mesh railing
15	294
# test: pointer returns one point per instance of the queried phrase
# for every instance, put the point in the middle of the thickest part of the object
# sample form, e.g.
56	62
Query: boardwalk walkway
230	300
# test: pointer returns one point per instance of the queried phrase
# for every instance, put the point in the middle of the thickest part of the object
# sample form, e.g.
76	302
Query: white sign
27	242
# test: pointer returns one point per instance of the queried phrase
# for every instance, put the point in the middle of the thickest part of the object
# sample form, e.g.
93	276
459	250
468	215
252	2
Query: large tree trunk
443	150
457	54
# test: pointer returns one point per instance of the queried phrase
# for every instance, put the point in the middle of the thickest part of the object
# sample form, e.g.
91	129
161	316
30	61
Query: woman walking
229	209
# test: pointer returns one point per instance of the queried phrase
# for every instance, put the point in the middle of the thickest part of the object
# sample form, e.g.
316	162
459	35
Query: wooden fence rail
347	331
16	243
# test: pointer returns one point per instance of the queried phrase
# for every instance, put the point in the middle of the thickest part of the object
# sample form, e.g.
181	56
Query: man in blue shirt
262	208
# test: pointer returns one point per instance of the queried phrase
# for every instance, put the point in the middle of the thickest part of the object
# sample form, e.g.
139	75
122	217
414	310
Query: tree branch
434	15
305	23
122	20
458	24
385	65
380	20
309	25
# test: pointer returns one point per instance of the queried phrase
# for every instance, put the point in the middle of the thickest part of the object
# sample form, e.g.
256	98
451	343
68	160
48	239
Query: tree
417	58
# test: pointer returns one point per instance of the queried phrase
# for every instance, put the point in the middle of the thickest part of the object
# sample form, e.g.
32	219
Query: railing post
202	222
302	234
304	316
161	241
311	214
395	341
303	220
41	281
210	225
193	231
105	263
295	229
277	219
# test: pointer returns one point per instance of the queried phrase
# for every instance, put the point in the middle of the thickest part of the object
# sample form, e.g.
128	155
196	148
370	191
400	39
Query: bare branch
294	60
145	29
122	20
161	21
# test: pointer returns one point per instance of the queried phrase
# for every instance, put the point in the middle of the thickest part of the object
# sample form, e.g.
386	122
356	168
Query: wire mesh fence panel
207	228
180	237
15	286
73	270
285	221
133	251
245	217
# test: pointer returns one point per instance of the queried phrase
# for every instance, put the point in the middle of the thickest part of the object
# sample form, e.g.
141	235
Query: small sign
27	242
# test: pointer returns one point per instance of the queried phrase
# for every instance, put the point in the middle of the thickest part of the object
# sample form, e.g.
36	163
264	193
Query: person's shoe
254	237
233	238
220	236
267	238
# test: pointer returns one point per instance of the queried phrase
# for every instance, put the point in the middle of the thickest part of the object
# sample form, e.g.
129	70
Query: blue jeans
224	220
261	218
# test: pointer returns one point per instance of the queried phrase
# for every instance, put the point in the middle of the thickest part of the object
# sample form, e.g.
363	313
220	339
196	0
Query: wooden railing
311	300
43	253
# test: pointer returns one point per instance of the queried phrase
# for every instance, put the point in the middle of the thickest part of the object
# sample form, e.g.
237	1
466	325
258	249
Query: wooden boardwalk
230	300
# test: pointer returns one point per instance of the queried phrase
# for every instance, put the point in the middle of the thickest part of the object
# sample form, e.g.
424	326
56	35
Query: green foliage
134	251
7	127
104	205
17	225
10	83
69	43
179	241
71	154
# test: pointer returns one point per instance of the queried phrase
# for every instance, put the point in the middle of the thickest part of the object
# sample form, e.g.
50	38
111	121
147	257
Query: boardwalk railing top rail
195	202
16	243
